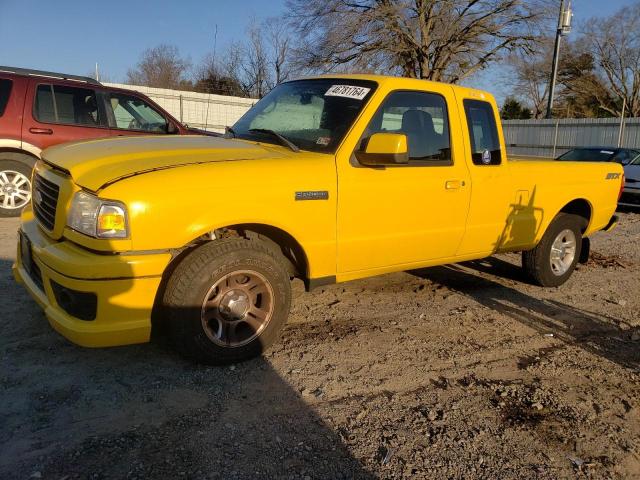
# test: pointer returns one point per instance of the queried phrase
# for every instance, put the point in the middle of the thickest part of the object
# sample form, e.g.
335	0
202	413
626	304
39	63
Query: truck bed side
544	188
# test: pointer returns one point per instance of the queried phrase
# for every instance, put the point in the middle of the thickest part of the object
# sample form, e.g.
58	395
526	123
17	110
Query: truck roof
383	79
29	72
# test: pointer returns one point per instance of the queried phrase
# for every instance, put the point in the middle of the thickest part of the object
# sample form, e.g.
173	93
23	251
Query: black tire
9	164
193	280
537	262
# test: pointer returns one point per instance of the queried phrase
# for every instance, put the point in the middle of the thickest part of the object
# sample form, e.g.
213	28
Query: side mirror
171	128
384	149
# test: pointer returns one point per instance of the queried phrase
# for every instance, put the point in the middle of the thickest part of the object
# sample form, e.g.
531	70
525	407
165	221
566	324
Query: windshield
312	114
588	155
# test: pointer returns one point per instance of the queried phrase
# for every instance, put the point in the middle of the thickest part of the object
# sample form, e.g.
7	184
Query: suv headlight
98	218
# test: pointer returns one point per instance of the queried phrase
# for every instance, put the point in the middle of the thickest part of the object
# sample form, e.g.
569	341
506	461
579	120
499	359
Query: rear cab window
67	105
483	133
5	91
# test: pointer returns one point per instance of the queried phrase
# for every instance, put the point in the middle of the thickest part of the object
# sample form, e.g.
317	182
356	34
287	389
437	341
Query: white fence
553	137
198	110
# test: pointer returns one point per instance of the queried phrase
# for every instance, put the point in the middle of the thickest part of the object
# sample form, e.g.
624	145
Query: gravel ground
463	371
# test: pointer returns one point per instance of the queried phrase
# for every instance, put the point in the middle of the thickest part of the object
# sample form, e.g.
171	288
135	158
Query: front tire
552	261
228	301
15	184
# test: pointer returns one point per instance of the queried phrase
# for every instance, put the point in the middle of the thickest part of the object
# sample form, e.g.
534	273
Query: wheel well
581	208
276	238
19	155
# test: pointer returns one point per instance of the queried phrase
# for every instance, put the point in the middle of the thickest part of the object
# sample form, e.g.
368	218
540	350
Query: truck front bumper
94	300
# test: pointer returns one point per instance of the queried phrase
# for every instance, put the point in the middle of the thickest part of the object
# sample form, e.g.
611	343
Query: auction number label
348	91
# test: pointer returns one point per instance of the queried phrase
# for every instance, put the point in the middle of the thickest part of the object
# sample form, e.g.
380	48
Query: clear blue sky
72	35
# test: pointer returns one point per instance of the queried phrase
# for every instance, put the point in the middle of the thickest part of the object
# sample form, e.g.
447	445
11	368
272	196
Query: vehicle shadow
145	412
596	333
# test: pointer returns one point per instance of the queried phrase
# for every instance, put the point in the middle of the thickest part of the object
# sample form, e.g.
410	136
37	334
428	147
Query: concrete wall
199	110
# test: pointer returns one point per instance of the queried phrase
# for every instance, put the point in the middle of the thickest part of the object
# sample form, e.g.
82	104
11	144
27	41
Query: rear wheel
15	185
228	301
553	260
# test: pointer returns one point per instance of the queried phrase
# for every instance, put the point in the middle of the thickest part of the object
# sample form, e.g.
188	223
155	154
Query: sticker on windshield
486	157
348	91
324	141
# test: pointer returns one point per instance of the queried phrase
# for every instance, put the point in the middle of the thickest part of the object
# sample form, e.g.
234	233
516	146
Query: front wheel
228	300
15	186
553	260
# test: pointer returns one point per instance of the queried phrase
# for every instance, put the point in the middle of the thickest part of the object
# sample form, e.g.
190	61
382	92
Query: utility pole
564	27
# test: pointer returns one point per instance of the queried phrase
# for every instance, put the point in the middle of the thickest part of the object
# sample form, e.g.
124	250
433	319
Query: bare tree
278	40
531	75
213	76
433	39
614	43
582	92
161	67
250	68
256	64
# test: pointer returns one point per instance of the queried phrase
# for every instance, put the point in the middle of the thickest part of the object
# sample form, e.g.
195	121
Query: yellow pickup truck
326	179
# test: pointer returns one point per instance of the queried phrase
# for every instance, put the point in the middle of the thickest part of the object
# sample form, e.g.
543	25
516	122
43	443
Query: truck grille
45	201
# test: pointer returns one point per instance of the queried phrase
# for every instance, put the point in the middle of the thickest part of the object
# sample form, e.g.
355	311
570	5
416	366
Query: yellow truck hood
97	163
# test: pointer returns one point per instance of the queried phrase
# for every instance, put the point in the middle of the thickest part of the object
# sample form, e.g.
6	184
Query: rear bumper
630	197
121	312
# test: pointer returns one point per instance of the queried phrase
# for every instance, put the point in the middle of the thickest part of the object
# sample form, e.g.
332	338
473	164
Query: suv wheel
553	260
228	300
15	185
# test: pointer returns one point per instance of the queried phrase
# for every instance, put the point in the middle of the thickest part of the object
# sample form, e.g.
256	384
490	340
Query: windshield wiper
229	132
284	141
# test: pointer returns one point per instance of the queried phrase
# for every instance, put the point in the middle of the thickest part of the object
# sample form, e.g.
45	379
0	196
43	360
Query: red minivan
39	109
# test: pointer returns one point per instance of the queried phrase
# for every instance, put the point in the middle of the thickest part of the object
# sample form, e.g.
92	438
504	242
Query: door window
132	113
5	90
483	132
67	105
422	117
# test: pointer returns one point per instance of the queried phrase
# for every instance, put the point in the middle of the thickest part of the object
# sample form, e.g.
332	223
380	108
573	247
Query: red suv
39	109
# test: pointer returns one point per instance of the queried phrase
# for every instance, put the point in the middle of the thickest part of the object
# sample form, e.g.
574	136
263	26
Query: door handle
453	184
41	131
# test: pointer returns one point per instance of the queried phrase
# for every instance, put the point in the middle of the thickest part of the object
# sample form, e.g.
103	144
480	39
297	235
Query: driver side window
423	118
132	113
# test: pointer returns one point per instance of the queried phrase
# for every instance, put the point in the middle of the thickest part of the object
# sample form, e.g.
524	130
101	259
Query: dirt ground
463	371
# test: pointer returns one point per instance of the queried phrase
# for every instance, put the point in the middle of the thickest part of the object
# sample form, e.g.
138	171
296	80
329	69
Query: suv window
132	113
422	117
67	105
485	144
5	90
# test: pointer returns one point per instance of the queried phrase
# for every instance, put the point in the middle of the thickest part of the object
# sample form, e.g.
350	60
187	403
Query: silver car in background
631	193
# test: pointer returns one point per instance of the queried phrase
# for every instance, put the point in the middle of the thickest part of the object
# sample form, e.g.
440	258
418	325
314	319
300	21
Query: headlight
98	218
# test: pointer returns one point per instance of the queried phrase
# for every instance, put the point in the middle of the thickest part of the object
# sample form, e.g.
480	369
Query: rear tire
552	261
15	183
227	301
